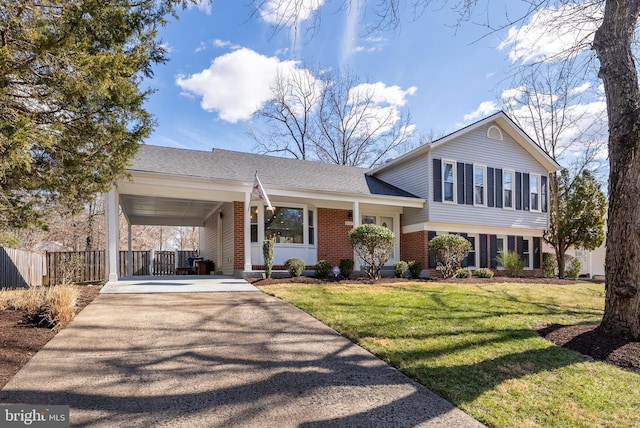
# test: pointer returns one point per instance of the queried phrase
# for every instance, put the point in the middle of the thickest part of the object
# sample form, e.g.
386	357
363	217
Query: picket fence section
20	268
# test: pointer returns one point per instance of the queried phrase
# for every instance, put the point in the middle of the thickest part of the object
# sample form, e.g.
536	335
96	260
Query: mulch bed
20	339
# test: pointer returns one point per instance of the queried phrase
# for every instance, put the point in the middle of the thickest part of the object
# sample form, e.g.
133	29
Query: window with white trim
479	187
507	188
501	247
534	192
472	260
254	223
448	181
526	253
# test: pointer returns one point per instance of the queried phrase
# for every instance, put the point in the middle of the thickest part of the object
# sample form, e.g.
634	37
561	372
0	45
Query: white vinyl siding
476	148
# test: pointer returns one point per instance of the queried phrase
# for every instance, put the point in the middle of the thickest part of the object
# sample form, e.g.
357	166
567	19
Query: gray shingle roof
275	171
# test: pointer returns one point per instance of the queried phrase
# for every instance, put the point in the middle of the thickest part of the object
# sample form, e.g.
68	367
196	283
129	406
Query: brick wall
333	236
414	246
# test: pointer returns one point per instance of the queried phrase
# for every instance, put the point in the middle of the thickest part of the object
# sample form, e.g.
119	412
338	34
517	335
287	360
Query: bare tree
357	129
334	118
289	115
549	101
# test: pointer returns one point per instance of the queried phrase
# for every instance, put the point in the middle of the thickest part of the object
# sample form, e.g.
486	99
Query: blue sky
222	60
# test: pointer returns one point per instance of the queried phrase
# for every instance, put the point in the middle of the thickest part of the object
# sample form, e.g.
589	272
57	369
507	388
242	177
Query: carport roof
283	173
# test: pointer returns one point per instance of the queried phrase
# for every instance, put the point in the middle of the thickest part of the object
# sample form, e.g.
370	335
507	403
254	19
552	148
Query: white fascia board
472	229
155	184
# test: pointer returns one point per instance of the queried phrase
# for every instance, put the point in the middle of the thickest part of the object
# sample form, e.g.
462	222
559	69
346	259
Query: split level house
487	182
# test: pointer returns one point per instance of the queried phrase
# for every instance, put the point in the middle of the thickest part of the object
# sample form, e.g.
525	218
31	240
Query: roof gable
504	123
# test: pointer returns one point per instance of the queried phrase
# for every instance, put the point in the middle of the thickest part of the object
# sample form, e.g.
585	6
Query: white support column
356	222
248	266
129	251
112	239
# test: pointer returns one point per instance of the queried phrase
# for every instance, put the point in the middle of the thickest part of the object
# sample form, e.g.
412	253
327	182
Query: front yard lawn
476	345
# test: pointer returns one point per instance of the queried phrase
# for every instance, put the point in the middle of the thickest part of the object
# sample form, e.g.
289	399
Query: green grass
474	345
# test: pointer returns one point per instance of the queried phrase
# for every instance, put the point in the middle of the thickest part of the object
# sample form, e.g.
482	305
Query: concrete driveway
218	359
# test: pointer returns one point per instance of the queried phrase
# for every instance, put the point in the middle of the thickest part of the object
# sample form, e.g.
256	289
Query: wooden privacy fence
64	267
20	268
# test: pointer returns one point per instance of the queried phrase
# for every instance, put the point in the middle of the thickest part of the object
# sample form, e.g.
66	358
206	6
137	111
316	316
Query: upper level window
534	192
448	181
494	133
480	190
507	189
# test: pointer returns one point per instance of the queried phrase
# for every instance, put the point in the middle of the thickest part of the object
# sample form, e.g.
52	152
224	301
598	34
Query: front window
479	173
526	253
507	188
254	224
471	257
448	181
285	225
534	189
312	229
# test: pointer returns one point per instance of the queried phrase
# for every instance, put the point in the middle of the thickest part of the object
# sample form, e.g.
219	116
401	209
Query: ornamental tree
449	251
374	245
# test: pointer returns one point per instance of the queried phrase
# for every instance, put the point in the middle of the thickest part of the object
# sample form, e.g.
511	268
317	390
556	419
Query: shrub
267	252
484	273
323	269
449	251
511	262
346	267
374	245
549	265
294	266
399	268
463	273
60	305
415	267
573	267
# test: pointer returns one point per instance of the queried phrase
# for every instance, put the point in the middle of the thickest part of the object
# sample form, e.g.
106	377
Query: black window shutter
536	252
518	190
460	183
526	198
491	190
498	175
483	251
465	261
511	243
432	259
521	246
493	250
437	180
544	197
468	175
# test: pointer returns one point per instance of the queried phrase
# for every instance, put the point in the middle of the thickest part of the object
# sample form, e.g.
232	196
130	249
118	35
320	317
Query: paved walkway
177	284
223	359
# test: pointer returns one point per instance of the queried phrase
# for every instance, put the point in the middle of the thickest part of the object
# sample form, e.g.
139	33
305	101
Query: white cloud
202	46
236	84
288	13
382	94
203	5
552	33
484	109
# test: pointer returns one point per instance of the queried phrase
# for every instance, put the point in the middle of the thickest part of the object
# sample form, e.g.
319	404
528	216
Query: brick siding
333	235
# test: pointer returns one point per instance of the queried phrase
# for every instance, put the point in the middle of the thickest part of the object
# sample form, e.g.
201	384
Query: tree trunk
560	259
612	44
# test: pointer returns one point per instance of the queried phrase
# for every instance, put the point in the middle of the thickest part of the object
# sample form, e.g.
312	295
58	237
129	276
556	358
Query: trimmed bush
323	269
573	267
267	252
463	273
294	266
399	268
449	251
415	267
511	262
549	265
484	273
374	245
346	267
